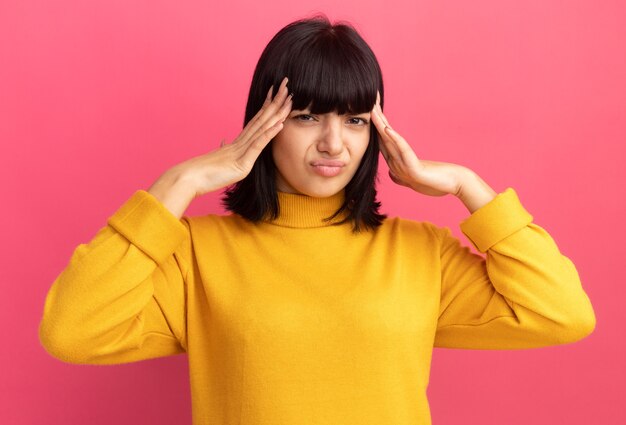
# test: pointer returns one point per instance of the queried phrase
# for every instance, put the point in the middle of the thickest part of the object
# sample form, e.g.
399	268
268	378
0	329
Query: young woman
305	305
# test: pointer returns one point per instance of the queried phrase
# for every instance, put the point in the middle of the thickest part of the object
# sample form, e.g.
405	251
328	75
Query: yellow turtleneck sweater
298	322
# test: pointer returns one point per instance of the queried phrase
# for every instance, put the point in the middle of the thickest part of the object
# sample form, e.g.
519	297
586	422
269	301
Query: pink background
97	99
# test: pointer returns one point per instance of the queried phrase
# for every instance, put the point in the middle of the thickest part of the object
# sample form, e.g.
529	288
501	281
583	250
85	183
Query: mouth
327	170
328	163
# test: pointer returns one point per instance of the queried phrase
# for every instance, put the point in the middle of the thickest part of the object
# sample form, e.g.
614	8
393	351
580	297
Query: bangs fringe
329	76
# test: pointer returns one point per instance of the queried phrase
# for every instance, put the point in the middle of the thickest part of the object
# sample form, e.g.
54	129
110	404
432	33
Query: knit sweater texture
298	321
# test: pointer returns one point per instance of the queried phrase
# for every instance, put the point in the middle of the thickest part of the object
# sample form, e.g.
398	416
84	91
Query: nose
331	139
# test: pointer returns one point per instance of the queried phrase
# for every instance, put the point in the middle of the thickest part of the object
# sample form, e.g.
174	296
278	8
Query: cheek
360	146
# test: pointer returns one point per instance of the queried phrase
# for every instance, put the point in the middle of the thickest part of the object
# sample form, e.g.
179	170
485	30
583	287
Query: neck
303	211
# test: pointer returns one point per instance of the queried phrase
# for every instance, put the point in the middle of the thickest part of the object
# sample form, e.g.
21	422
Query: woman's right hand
228	164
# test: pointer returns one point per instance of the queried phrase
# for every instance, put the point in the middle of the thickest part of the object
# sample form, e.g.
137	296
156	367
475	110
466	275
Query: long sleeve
122	297
524	294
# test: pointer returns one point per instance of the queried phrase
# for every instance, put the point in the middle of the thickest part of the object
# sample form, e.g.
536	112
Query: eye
363	120
303	117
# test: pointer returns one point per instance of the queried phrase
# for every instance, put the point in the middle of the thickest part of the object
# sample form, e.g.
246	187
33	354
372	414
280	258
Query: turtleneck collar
303	211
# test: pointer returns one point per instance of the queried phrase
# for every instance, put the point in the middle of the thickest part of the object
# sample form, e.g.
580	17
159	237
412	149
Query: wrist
473	191
174	191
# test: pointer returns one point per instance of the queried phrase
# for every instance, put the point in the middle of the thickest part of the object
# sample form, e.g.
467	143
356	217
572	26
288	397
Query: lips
328	163
327	168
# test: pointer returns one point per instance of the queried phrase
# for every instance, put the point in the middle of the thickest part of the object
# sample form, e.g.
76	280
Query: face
317	155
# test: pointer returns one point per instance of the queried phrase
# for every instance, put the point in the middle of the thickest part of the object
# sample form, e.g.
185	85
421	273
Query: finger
268	98
379	112
390	146
265	113
266	102
383	150
251	126
405	151
278	116
382	116
398	145
386	141
248	129
255	148
399	142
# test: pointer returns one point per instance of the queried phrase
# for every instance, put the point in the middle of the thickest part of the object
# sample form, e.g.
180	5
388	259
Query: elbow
578	328
586	326
55	333
80	345
585	322
56	344
62	352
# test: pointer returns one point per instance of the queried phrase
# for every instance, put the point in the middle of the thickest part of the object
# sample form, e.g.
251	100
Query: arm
121	298
524	294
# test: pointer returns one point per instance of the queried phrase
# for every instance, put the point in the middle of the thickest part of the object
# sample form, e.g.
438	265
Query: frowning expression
318	154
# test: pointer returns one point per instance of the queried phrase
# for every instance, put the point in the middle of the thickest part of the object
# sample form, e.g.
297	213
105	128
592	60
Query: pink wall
97	99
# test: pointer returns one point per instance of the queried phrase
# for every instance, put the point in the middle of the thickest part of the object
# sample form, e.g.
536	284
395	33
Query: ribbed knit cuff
494	221
149	225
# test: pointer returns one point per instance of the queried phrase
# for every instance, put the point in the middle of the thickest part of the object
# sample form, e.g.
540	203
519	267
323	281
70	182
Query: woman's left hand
428	177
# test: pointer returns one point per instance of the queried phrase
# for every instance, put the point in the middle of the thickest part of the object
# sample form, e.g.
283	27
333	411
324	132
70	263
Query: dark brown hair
330	68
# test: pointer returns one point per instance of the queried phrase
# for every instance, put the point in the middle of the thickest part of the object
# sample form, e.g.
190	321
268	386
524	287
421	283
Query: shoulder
411	229
216	223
